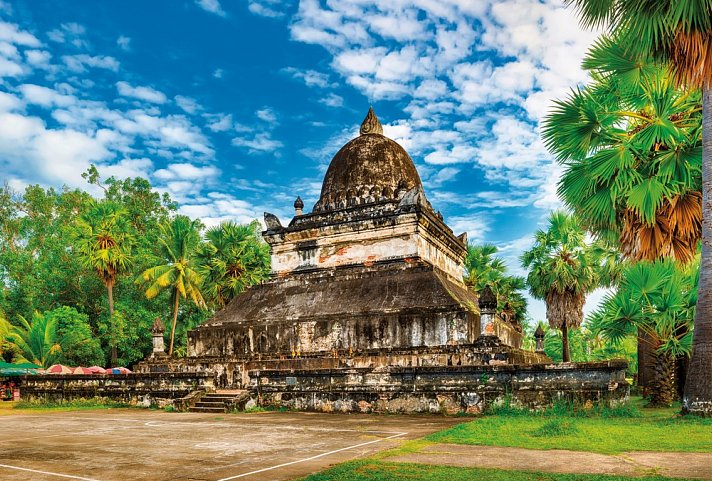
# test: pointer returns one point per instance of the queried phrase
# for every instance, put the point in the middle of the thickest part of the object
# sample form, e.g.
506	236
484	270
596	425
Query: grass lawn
645	430
24	407
373	470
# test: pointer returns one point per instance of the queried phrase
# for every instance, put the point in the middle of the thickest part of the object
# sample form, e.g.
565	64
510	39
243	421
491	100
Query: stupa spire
370	124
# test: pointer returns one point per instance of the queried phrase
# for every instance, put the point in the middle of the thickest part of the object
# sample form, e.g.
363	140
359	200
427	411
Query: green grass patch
370	470
607	431
71	405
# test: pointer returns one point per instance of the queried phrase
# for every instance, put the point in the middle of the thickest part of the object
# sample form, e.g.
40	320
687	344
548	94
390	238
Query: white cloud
212	6
142	93
186	171
38	58
11	33
259	143
79	63
266	8
311	78
267	114
69	32
332	100
124	43
45	97
188	104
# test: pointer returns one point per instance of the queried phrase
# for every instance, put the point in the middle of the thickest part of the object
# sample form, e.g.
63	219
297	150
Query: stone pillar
159	350
539	337
488	310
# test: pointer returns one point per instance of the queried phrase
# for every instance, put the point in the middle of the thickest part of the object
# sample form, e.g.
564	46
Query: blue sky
236	107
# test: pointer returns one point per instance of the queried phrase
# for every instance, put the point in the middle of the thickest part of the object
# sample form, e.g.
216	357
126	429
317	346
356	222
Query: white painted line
46	472
312	458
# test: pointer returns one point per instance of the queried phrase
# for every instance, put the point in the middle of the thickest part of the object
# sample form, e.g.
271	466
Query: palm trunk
663	392
565	351
698	386
114	351
175	320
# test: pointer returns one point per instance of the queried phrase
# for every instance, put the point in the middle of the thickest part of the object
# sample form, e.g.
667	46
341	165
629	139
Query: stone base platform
441	389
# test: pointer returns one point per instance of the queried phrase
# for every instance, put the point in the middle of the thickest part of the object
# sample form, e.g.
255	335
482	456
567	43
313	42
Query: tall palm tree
104	241
177	244
657	298
234	258
562	271
679	33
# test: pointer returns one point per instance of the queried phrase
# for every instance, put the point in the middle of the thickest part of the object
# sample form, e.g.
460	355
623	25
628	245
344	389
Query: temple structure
366	311
372	267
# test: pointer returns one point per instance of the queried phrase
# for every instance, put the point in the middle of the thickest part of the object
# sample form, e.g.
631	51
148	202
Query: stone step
196	409
213	397
210	404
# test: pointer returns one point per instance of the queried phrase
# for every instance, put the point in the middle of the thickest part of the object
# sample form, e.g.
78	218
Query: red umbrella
97	370
82	370
59	369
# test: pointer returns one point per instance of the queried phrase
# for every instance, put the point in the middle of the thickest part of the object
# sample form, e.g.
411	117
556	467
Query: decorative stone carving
272	222
371	124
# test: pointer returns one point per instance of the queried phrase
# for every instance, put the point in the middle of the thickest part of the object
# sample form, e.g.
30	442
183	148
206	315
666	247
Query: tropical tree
37	341
104	242
562	271
483	268
630	143
234	258
679	33
657	298
176	271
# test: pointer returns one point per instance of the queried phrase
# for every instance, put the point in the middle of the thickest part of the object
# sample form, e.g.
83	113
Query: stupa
372	269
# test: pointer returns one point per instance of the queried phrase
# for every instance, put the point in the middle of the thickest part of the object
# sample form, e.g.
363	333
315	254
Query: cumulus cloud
212	6
141	92
80	63
124	43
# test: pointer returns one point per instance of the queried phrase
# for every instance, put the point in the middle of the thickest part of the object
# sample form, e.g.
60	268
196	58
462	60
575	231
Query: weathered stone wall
135	388
450	390
232	371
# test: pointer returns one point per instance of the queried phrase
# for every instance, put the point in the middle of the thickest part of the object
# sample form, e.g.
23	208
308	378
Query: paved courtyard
126	445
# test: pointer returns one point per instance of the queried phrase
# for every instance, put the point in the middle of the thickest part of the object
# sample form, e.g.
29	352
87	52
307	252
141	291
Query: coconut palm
233	259
104	241
176	271
679	33
562	271
658	299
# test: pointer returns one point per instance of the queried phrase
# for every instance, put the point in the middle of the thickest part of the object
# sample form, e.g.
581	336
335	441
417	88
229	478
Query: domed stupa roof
369	168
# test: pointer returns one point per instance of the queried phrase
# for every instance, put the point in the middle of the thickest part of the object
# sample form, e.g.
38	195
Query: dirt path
678	465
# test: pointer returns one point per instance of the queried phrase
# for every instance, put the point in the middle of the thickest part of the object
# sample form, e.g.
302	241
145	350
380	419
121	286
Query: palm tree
679	33
36	342
483	269
104	241
177	244
233	259
630	143
562	271
657	298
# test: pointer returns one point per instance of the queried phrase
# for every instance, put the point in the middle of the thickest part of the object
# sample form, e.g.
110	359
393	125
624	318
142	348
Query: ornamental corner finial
370	124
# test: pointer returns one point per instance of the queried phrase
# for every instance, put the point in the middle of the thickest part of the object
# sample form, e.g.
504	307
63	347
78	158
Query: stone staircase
220	402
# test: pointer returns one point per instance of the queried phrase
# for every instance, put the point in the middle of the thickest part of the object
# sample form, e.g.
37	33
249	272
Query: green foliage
376	470
657	298
630	143
176	269
79	346
556	427
92	403
483	269
40	341
607	430
233	258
